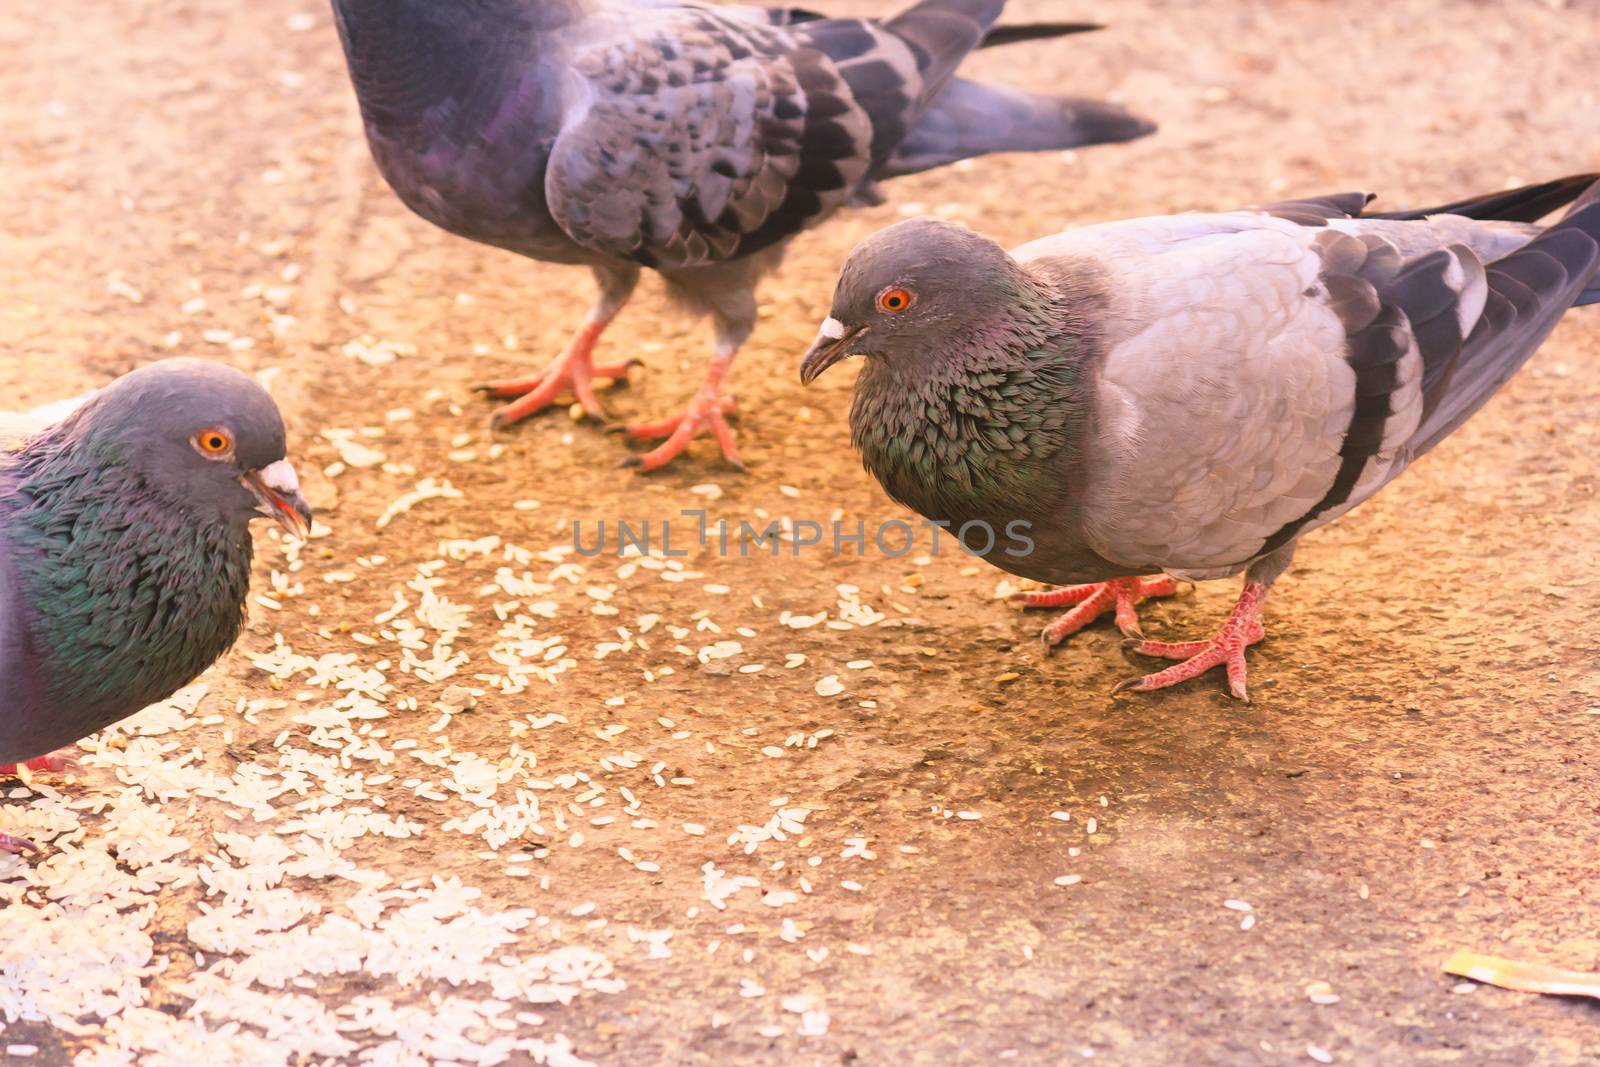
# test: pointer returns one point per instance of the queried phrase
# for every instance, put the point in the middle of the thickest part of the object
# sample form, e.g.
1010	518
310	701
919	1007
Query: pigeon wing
1261	378
1527	203
699	134
1467	321
1223	388
700	137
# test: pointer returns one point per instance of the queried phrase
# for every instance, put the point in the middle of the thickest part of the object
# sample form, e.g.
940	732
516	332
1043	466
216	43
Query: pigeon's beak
832	344
277	492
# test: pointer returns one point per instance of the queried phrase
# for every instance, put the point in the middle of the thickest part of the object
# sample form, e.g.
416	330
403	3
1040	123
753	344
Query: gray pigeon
125	546
690	138
1185	396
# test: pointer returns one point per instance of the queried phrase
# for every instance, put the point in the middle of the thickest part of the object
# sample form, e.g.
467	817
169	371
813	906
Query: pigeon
125	546
689	138
1119	407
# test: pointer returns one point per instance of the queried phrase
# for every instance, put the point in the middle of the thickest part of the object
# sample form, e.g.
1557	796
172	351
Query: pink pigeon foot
707	411
573	371
1093	600
16	844
55	761
51	763
1242	629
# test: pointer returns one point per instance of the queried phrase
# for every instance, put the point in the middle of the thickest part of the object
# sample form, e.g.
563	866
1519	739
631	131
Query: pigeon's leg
709	409
1121	595
1242	629
16	844
574	370
53	762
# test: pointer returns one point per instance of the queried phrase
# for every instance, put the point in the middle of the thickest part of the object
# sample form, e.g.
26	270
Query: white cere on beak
832	328
280	478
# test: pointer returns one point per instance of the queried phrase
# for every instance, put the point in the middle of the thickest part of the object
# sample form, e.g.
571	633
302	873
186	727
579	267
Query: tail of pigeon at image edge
1529	291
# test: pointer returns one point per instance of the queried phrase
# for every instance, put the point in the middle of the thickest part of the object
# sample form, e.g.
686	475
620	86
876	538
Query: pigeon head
205	437
912	293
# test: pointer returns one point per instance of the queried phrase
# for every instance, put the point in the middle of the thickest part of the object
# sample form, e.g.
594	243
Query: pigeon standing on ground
125	546
689	138
1186	396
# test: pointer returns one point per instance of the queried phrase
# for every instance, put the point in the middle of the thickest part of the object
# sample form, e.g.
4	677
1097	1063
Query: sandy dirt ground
1416	774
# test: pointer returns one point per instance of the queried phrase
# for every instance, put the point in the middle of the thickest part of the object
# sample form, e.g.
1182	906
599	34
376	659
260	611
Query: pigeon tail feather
1001	36
1530	203
1529	291
971	119
1590	197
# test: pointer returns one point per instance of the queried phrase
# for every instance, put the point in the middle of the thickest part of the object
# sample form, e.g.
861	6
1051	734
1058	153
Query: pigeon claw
51	763
708	411
572	372
1242	629
1119	595
16	844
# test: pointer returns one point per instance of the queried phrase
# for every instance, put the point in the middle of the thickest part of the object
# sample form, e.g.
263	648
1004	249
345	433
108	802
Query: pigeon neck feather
984	429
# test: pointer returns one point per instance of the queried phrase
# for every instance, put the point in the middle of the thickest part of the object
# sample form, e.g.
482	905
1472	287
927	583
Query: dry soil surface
661	836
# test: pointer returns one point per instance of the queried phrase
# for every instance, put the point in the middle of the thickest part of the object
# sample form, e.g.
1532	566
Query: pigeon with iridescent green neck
1183	397
125	546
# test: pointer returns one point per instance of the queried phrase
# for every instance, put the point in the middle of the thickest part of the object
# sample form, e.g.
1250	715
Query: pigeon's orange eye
895	301
214	442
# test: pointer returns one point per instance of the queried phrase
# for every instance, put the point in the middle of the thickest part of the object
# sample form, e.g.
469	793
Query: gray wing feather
1338	352
1528	203
941	33
1402	321
1528	292
1316	210
1471	325
705	136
